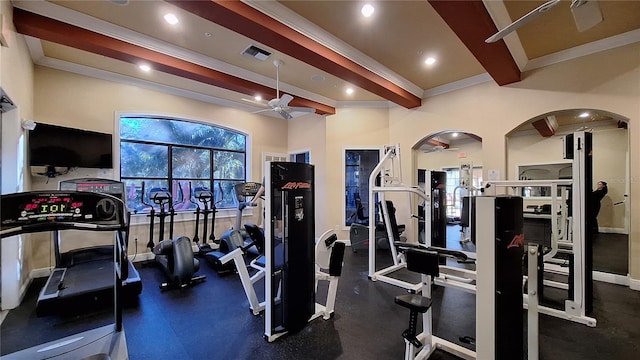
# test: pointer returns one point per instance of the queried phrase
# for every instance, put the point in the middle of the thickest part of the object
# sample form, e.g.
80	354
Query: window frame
380	150
212	180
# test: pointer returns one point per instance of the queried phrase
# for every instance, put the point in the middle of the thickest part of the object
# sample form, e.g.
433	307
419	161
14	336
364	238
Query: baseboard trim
634	284
607	230
611	278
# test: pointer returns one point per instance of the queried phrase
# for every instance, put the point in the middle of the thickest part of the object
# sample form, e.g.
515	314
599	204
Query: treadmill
55	210
83	277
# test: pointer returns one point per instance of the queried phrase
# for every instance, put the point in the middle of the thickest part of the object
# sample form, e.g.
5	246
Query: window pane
190	163
227	199
228	165
148	142
180	133
358	167
143	160
135	202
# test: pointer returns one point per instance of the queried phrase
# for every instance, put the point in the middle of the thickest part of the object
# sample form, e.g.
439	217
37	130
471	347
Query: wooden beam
245	20
435	142
544	127
44	28
471	22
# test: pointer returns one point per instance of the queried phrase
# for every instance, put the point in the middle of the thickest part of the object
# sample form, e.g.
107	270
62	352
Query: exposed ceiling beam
471	22
48	29
545	127
245	20
436	142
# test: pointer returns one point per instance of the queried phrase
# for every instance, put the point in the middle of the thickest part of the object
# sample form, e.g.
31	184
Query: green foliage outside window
180	156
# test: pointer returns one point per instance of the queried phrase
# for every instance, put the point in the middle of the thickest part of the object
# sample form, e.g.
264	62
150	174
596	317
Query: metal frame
390	173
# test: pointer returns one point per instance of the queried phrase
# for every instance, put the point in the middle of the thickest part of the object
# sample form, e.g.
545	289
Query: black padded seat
414	302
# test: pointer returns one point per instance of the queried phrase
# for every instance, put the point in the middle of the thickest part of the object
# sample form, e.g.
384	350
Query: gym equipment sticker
296	185
299	208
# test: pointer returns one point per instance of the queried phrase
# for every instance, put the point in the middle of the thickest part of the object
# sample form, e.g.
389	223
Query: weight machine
574	235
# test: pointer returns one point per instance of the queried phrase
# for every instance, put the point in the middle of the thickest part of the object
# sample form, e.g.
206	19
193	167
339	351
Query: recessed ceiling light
145	67
349	91
455	134
171	18
584	115
367	10
257	98
430	61
208	34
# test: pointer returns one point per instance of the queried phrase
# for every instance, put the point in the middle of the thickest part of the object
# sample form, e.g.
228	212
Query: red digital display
50	206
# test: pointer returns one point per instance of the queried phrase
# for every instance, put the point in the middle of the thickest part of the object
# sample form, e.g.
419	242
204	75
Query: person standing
597	196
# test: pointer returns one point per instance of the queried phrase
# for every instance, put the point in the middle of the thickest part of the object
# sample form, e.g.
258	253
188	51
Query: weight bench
424	262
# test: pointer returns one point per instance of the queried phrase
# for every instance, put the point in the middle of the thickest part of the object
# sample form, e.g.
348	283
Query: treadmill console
249	189
102	186
58	209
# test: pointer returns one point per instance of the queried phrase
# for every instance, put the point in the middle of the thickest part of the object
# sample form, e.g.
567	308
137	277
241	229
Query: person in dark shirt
597	196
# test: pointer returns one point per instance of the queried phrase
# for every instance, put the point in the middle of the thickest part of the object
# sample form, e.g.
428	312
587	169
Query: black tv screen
51	145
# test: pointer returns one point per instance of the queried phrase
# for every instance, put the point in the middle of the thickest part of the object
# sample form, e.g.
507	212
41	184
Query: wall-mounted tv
51	145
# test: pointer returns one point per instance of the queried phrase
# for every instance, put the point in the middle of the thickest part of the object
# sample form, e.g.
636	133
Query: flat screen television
58	146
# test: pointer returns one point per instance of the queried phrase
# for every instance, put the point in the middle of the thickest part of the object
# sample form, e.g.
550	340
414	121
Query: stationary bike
236	237
174	255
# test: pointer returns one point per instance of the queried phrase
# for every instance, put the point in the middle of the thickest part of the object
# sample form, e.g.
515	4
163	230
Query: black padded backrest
423	262
337	258
183	264
392	220
257	235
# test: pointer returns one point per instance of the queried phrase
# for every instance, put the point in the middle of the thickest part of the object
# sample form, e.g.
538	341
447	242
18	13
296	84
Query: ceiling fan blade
261	111
301	109
523	20
586	14
285	99
283	113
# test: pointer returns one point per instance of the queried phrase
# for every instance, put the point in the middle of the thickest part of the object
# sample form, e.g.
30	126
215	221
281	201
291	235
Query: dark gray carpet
212	321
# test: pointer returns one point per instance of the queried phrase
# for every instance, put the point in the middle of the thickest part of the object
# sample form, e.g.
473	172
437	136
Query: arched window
181	156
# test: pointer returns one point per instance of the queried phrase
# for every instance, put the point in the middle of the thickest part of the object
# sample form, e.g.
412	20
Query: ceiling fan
586	14
280	104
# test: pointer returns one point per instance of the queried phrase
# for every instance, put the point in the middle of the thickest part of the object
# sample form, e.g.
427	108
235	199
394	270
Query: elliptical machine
174	255
204	196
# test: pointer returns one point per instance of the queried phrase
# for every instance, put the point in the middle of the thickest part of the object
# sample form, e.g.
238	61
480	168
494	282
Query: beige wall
16	79
299	140
609	164
349	128
608	81
73	100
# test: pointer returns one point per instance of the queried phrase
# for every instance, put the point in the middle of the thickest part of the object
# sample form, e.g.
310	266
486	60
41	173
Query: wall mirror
535	150
545	171
452	151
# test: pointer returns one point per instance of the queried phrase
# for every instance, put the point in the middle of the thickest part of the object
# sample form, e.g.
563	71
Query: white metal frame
323	255
390	173
574	310
485	299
